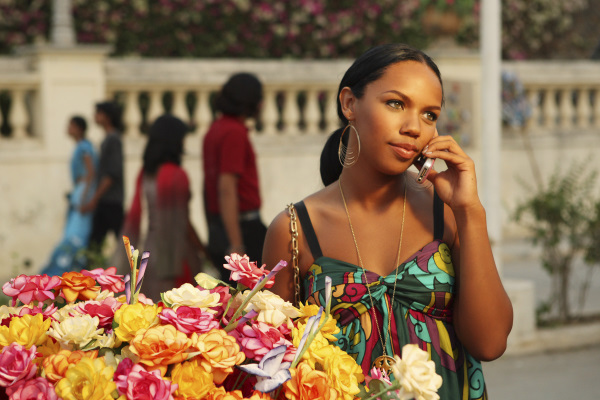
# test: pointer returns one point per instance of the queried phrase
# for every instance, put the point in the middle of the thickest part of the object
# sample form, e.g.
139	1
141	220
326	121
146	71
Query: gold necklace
384	362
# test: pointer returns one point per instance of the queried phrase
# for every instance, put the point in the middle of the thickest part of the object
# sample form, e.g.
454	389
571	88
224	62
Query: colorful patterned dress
420	310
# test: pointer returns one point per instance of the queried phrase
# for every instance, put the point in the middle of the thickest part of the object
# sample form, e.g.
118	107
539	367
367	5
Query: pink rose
148	385
104	310
28	288
224	297
16	363
107	279
189	319
258	339
32	389
48	312
245	271
121	374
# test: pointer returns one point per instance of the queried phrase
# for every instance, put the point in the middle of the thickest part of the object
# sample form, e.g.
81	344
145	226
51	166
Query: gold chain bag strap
294	232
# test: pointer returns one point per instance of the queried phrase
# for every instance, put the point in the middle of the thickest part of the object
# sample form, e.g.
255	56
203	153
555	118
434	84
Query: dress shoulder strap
438	217
309	231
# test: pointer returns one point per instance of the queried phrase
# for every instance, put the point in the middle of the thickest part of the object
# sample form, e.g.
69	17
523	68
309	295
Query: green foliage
564	219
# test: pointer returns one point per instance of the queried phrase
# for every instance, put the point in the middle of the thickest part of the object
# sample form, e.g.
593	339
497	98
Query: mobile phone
427	165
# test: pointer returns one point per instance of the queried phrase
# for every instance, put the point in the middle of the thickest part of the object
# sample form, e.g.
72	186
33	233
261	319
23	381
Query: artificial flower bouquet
94	335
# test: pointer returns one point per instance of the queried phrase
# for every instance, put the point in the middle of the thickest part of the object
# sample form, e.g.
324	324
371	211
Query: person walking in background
107	202
231	187
67	256
158	220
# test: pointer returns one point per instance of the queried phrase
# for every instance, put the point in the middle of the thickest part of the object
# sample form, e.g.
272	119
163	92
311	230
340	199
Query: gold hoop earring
348	157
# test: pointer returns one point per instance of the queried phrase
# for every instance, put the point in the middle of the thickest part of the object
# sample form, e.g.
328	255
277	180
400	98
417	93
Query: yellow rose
194	382
219	353
307	383
160	346
206	281
416	373
343	372
271	308
56	366
316	349
27	331
76	331
221	394
329	329
188	295
87	380
132	318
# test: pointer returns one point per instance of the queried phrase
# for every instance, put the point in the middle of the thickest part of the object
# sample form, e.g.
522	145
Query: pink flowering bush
16	364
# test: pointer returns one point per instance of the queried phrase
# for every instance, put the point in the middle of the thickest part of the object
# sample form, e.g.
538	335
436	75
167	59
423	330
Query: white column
269	112
584	108
491	124
566	109
332	121
133	114
62	32
291	114
179	108
311	112
18	114
202	114
155	108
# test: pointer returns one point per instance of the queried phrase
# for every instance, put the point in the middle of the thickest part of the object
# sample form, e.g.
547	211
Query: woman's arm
229	209
89	175
278	247
483	312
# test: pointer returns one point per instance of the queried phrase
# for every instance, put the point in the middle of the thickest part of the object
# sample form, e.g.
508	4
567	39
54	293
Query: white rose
188	295
8	312
416	374
104	295
271	308
75	331
68	311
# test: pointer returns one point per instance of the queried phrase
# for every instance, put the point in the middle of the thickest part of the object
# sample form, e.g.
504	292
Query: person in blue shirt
68	254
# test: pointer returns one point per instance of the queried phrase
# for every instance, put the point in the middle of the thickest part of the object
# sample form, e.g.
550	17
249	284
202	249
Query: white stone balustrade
20	87
564	95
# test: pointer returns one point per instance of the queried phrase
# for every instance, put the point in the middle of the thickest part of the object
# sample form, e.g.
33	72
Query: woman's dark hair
240	96
80	123
366	69
165	143
113	111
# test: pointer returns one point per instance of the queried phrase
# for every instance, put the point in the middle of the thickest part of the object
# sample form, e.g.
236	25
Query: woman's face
74	131
396	116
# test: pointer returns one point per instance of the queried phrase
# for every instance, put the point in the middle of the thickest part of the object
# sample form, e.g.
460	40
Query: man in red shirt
231	188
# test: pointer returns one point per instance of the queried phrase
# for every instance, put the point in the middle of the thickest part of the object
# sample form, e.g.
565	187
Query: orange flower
257	395
220	353
159	346
56	365
76	286
193	381
307	383
221	394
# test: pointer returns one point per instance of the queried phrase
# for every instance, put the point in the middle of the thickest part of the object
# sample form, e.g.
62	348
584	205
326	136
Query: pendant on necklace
384	363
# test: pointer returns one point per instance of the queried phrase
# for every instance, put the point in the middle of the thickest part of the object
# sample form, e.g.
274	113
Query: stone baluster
291	113
155	109
596	111
584	108
133	114
202	114
312	114
18	114
269	114
549	108
179	108
332	121
533	98
566	108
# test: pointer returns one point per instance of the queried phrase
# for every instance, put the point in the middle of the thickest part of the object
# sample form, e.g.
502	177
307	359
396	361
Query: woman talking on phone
410	262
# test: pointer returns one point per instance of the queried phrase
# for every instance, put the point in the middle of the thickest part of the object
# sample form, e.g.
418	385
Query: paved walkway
573	374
